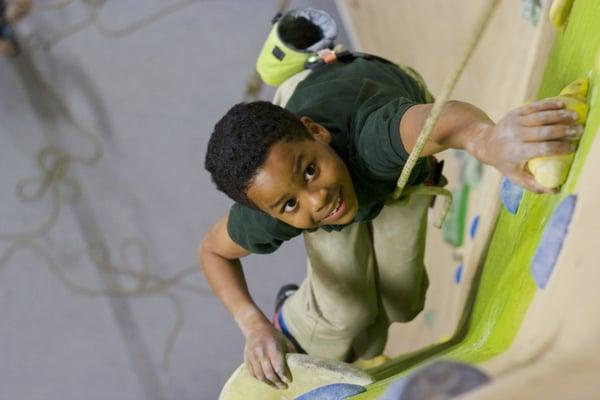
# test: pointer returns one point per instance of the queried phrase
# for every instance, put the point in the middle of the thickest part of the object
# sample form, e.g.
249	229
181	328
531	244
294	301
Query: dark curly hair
241	141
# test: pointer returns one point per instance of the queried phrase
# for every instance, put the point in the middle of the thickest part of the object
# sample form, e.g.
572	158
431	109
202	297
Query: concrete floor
128	110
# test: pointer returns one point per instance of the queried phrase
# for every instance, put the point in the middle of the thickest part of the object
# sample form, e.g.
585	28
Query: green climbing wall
506	288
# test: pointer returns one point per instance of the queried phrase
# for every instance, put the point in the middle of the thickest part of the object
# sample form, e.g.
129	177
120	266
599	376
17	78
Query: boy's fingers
270	374
540	105
536	187
290	348
552	132
280	365
254	365
250	367
527	181
546	149
258	373
548	117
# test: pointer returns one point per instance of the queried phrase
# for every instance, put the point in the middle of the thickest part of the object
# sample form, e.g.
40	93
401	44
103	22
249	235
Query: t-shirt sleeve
377	132
256	231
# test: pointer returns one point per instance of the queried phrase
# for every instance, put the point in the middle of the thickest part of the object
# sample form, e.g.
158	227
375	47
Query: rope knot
54	164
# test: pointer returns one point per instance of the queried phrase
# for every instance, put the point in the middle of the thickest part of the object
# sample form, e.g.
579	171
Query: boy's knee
419	299
405	304
352	318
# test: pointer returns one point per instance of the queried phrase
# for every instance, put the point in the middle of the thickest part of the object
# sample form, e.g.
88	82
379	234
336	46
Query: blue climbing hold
430	316
334	391
552	240
474	226
511	195
441	380
458	274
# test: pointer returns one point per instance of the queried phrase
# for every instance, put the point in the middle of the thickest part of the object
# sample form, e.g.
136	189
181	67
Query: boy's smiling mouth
337	209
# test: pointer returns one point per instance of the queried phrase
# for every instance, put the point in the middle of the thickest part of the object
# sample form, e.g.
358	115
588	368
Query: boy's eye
290	206
310	172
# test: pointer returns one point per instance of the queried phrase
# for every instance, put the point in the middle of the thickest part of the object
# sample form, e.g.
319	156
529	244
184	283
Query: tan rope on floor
92	18
444	96
59	5
54	163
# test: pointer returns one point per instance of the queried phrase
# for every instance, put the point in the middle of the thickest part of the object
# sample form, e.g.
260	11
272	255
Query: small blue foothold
511	195
458	274
334	391
443	379
430	317
552	240
474	226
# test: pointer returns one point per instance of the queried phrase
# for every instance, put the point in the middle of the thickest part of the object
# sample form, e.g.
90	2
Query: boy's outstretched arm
264	353
541	128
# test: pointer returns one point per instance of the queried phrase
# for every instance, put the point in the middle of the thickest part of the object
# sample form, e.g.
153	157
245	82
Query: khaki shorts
359	281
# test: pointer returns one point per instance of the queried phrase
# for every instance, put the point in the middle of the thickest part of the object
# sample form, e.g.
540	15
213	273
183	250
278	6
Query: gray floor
104	198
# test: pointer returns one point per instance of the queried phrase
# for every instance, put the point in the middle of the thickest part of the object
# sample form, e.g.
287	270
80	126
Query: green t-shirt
361	104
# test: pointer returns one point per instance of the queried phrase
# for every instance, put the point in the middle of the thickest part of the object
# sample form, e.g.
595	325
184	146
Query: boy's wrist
249	318
476	143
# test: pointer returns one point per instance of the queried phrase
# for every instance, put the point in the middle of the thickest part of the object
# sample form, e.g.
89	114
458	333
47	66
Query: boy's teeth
337	205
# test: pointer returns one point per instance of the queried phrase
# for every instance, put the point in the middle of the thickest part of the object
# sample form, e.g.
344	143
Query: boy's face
305	183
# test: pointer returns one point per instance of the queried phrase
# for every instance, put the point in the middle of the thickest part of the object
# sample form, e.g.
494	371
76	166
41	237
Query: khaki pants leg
400	256
359	280
398	233
336	301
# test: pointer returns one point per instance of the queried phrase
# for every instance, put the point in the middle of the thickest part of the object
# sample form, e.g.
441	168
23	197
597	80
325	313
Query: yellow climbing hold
578	88
553	171
559	12
365	364
445	338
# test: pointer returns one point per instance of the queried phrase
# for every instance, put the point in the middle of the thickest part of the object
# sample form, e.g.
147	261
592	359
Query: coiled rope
54	164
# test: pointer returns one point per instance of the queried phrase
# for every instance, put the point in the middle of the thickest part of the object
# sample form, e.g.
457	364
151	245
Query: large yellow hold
308	373
559	12
553	171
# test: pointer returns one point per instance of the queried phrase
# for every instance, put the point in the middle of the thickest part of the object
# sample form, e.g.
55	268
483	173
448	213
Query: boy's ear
318	132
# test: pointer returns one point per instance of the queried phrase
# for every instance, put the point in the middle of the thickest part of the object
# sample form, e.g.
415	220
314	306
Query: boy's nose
319	199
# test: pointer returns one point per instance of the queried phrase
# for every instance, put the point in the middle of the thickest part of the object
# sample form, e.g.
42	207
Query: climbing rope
59	5
139	24
439	104
54	164
93	18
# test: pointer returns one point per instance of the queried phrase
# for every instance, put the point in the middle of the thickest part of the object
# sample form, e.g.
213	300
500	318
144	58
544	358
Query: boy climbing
325	166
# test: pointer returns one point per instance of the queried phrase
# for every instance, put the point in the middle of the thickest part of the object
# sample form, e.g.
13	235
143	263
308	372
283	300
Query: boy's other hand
539	129
264	355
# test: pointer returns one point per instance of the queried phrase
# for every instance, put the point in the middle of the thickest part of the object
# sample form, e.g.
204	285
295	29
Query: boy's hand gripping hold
542	128
264	355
